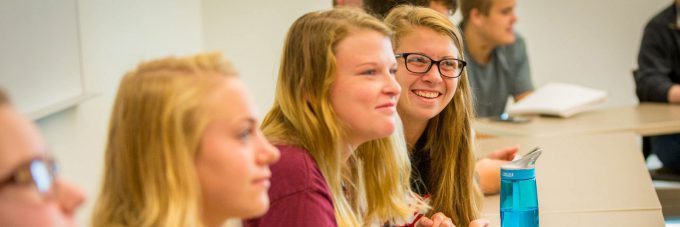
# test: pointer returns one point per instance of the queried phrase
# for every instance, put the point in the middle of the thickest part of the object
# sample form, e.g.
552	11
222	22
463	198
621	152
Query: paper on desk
559	99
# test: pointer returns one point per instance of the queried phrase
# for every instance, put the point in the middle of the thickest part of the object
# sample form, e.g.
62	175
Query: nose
267	154
433	75
69	197
392	87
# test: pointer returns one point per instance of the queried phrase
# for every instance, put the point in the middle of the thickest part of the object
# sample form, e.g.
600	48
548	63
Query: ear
476	17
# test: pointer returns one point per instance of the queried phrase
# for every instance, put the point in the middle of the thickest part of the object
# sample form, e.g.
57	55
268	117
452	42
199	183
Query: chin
256	210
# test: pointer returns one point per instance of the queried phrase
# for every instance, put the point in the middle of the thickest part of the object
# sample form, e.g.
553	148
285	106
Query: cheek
20	214
451	87
223	165
403	81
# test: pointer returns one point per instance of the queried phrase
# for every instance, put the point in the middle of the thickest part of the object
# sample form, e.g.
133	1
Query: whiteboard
40	64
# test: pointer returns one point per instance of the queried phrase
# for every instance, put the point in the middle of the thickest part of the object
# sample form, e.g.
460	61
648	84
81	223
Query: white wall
592	43
115	36
251	34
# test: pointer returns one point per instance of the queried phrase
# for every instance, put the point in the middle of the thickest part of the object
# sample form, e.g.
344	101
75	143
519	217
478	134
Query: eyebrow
248	119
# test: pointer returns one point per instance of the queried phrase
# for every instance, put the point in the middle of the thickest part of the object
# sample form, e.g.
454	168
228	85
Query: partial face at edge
234	157
21	204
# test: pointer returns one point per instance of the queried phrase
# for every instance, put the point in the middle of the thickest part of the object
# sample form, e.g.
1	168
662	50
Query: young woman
31	193
436	111
334	111
184	148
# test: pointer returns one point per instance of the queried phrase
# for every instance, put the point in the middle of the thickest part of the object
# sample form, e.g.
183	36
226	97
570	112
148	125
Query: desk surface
645	119
592	177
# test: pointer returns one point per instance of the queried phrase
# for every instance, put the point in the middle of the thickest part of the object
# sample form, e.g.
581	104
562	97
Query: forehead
495	4
364	45
20	140
429	42
230	100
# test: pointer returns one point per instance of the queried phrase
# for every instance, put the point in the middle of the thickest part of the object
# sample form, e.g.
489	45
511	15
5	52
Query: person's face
364	93
426	93
234	157
21	204
497	27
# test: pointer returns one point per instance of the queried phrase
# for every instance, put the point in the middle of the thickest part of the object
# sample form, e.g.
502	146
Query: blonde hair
449	134
156	126
376	187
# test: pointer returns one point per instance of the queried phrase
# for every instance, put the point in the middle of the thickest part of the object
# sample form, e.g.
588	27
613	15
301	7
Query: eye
369	72
393	71
417	60
449	65
245	134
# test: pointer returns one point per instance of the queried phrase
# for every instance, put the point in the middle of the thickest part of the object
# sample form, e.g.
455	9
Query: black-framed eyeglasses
40	172
420	63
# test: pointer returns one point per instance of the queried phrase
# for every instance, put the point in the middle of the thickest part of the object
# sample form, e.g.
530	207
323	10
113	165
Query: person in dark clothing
658	77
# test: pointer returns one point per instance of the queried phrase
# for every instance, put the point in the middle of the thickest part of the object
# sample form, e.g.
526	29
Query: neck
212	221
478	47
413	130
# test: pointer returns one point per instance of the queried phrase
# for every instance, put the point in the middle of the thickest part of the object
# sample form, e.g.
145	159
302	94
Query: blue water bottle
519	202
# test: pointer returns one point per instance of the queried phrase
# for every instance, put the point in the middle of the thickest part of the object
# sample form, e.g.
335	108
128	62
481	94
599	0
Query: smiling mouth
426	94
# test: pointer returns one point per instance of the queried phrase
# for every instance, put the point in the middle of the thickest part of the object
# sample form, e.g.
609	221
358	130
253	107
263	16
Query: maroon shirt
299	195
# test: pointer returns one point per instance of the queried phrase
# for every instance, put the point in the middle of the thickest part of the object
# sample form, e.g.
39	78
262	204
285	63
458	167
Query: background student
334	112
31	192
497	60
658	78
184	148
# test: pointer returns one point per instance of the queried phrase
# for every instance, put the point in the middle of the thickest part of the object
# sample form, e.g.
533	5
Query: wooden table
646	119
586	180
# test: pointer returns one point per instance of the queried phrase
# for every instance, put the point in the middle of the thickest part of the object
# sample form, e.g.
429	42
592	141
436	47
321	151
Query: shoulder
661	19
295	172
299	195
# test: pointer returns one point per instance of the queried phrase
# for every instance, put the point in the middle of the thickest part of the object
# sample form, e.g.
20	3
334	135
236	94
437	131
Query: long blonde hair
449	134
156	126
372	186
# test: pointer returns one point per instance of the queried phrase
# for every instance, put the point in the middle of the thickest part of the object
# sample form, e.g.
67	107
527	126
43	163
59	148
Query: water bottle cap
526	162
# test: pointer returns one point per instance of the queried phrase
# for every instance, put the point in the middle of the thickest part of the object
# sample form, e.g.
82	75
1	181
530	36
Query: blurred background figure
31	192
184	148
658	80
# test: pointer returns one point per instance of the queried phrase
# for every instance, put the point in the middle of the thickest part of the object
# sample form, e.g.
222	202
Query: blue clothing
507	74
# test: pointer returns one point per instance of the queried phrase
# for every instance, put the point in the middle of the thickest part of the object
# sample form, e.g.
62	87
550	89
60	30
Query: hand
438	220
479	223
489	171
506	153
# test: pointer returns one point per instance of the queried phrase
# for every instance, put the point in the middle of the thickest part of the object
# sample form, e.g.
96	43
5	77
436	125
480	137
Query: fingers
506	153
479	223
424	222
440	220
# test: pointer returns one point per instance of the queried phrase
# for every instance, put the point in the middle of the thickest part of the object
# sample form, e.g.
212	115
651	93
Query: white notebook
559	99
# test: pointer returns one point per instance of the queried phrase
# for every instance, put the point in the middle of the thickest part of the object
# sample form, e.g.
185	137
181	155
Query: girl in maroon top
334	112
